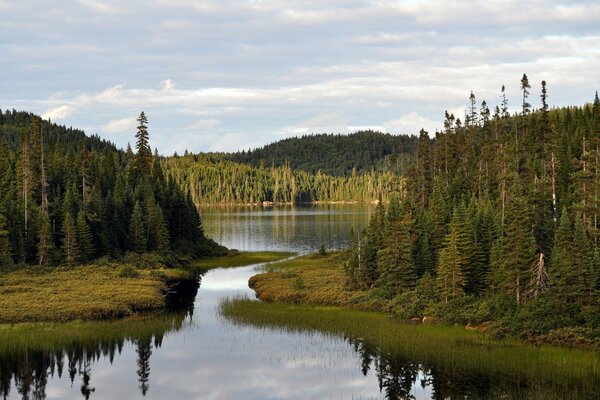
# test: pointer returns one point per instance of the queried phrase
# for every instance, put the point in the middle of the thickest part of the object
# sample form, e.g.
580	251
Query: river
199	354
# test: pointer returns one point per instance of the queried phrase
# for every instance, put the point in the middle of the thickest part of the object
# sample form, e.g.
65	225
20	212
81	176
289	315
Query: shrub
129	271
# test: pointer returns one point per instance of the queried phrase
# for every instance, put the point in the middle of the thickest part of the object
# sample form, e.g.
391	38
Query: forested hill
66	198
337	155
500	223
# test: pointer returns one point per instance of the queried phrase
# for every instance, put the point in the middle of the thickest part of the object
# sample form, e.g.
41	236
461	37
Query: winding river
199	354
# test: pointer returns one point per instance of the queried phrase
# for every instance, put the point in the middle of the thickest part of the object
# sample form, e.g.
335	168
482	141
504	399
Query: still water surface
198	354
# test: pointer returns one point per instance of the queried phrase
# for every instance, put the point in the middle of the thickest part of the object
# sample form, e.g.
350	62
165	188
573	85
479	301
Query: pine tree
70	250
520	245
84	238
563	275
137	233
394	261
450	279
46	240
525	86
160	233
143	158
5	251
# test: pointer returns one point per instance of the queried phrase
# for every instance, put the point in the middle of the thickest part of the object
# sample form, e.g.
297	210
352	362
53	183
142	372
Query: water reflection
54	354
298	228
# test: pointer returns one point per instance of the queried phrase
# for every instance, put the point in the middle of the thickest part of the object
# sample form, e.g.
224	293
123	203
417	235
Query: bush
129	271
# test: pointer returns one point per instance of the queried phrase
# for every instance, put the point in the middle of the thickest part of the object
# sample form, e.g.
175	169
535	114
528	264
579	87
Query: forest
337	155
498	223
66	198
212	179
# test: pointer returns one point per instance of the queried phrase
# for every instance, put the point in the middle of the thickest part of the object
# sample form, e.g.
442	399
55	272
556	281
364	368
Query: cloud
60	112
123	125
167	85
411	124
264	70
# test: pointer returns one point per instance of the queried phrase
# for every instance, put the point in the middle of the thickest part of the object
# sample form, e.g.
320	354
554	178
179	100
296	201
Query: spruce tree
395	265
450	279
5	251
45	240
137	233
84	238
69	249
143	158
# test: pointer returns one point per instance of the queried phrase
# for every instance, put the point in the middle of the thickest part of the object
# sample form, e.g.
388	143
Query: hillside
68	199
337	155
212	179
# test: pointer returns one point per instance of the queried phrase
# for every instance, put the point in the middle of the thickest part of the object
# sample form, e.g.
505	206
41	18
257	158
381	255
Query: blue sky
227	75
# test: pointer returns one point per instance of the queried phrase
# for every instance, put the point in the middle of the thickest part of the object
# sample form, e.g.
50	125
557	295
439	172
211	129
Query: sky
222	75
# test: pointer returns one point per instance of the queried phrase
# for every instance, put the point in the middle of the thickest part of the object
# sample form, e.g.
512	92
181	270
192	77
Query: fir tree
5	252
69	249
46	240
84	238
394	261
137	233
143	158
450	279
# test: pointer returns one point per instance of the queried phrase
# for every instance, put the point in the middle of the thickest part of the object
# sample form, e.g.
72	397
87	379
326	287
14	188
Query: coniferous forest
499	222
68	199
337	155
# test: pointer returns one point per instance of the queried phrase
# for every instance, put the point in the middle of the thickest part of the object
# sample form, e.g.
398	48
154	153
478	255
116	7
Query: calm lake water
198	354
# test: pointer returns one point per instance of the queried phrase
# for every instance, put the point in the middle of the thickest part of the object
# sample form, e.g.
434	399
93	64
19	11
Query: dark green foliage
62	189
70	249
507	254
337	155
394	260
5	253
211	179
137	232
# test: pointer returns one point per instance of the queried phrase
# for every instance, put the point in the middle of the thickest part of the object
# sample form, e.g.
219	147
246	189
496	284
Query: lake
197	353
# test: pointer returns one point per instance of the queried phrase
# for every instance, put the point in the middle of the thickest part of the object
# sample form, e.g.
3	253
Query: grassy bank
312	279
100	291
240	259
456	355
51	336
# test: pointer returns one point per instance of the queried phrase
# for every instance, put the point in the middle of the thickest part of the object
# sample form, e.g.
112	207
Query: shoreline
319	281
267	204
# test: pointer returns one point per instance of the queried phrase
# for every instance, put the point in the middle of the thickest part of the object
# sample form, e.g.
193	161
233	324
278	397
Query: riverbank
321	280
463	361
104	290
239	259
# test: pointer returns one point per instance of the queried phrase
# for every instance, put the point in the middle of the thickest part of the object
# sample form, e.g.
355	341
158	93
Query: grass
543	372
51	336
240	259
312	279
103	291
308	293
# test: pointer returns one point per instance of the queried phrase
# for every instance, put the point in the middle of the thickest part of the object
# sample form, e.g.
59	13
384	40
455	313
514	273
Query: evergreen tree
450	279
137	232
5	251
394	261
46	240
84	238
143	158
70	249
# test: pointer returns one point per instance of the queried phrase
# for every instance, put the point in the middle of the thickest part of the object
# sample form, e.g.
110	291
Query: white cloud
123	125
257	70
56	113
167	85
411	124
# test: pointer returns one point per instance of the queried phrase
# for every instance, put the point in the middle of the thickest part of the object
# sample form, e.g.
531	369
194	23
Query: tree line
68	198
336	155
212	179
498	222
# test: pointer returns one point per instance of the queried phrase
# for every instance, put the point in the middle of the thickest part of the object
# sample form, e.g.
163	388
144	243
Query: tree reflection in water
31	366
